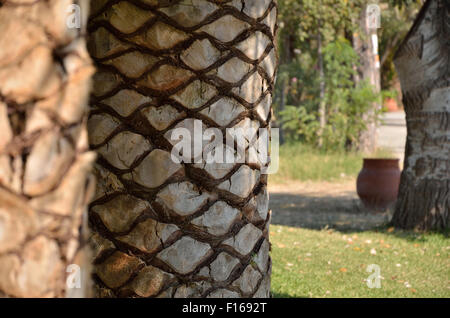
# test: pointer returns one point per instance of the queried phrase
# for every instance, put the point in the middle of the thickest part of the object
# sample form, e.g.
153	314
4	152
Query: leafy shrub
347	104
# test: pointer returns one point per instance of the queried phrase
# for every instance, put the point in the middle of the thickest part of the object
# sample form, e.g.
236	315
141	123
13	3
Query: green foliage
396	22
298	122
404	3
345	103
297	91
303	19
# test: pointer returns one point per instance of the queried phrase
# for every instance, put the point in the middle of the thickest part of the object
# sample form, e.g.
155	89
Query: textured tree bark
423	64
163	229
369	72
322	103
44	163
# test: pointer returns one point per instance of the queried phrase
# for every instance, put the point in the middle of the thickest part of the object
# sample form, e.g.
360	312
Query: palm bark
163	229
423	64
45	72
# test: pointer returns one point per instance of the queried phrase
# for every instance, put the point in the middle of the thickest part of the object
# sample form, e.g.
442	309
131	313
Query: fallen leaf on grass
343	270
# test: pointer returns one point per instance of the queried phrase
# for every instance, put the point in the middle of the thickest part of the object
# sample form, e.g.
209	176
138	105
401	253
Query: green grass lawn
326	263
305	163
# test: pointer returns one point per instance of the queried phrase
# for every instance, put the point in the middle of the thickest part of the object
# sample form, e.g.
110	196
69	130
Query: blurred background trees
323	98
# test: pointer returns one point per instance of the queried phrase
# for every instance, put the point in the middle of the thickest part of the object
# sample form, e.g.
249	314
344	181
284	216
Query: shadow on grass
413	236
342	213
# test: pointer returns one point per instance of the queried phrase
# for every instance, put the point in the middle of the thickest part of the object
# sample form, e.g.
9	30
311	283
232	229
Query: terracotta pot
378	182
391	105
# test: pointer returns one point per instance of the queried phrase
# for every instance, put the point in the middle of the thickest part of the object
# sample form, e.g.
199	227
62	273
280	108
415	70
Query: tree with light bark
365	43
423	64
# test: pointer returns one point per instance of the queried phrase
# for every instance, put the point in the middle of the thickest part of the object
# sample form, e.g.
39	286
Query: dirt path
320	204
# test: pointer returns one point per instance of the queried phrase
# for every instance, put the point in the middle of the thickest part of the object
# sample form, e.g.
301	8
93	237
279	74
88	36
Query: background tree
44	163
308	84
163	229
397	18
423	64
365	43
303	86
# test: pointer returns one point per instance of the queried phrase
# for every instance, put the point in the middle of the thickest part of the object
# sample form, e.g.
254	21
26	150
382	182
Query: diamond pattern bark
45	179
167	229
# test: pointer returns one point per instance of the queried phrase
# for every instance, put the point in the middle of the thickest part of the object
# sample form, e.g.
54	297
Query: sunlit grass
311	263
305	163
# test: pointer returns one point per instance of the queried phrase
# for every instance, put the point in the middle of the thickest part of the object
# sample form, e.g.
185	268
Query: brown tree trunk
283	101
161	228
423	64
322	102
45	73
369	71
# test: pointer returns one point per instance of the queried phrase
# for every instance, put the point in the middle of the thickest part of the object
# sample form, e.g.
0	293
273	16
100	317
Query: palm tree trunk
423	64
164	229
44	163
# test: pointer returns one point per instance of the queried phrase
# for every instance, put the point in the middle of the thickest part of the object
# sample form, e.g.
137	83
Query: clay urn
378	182
391	105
